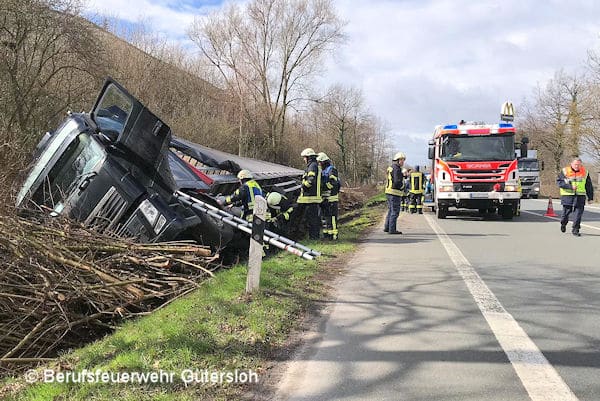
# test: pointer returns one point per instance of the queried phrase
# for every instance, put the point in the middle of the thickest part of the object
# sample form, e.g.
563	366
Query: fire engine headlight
446	188
536	189
149	211
510	188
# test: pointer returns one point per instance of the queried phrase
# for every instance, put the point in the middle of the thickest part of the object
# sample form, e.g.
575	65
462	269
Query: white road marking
540	379
558	219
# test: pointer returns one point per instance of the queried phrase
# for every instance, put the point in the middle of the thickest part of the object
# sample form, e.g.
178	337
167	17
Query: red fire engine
475	167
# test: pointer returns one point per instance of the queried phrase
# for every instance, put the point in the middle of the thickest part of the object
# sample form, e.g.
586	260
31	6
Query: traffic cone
550	210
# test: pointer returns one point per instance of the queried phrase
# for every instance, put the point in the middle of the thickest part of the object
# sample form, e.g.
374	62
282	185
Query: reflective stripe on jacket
311	183
244	195
416	183
331	184
394	184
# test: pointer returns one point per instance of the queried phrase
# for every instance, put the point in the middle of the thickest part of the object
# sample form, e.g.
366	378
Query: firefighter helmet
245	175
399	156
308	152
274	199
322	156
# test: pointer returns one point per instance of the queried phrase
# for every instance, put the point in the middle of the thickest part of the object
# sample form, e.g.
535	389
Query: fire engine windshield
477	148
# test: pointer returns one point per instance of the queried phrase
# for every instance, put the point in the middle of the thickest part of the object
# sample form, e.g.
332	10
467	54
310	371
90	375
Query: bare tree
268	50
45	49
555	118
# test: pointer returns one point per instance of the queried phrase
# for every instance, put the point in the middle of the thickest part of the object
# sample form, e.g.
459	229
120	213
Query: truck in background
529	170
474	166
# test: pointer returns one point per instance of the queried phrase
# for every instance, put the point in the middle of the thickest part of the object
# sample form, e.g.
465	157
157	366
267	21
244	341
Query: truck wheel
506	212
534	196
442	212
482	211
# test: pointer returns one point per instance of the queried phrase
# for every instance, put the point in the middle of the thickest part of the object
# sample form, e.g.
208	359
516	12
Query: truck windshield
529	165
478	148
62	133
77	163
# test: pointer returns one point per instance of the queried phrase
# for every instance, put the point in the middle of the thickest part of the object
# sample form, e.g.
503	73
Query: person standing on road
405	195
575	184
310	193
394	190
417	185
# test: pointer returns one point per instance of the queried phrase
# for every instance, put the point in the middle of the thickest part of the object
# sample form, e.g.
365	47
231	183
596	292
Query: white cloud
425	62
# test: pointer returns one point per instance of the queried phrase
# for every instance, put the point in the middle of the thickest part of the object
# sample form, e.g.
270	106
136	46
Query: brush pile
62	285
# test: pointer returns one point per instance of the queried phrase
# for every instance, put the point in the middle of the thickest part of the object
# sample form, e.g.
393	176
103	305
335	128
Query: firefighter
394	190
404	200
575	184
416	189
330	190
244	195
280	213
310	193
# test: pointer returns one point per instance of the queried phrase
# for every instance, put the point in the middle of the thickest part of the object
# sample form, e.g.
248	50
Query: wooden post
256	244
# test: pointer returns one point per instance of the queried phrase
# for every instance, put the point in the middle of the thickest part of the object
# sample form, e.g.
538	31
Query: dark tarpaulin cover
232	163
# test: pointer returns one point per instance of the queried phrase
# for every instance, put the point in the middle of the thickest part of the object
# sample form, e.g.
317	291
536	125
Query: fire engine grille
474	187
107	213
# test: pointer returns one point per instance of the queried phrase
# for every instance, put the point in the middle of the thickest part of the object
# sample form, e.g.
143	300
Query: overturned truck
118	169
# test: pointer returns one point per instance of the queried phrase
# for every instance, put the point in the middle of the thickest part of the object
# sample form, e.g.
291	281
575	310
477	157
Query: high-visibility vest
253	190
389	186
578	178
248	204
311	193
416	183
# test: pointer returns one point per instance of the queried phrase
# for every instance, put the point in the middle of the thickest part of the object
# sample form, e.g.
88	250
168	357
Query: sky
420	63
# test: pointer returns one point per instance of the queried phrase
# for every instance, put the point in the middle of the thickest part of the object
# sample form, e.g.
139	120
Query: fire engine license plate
479	195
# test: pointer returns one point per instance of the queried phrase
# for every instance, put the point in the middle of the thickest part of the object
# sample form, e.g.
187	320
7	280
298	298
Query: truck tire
534	196
441	212
506	212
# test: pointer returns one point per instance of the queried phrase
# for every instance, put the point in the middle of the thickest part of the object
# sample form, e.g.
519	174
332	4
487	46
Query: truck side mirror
431	153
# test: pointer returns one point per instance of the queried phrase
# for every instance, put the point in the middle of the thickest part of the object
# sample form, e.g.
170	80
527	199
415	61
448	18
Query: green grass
216	327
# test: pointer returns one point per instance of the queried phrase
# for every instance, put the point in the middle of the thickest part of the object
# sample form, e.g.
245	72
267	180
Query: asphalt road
466	308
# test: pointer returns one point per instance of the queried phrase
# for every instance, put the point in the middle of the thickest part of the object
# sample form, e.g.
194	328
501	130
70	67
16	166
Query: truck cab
529	171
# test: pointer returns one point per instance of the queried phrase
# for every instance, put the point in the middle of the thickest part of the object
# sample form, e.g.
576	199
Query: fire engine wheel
441	212
506	212
534	196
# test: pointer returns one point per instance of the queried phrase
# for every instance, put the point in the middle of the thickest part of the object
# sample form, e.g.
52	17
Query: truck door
131	126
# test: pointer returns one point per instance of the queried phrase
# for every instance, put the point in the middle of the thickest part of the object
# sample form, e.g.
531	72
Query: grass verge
216	328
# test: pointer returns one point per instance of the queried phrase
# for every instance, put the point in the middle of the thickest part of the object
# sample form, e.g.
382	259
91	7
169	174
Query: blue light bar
451	126
505	125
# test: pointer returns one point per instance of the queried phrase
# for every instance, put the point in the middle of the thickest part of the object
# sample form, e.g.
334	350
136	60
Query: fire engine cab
474	167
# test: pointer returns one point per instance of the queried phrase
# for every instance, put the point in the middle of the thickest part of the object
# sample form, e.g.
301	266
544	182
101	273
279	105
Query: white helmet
399	156
274	199
322	156
245	175
308	152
